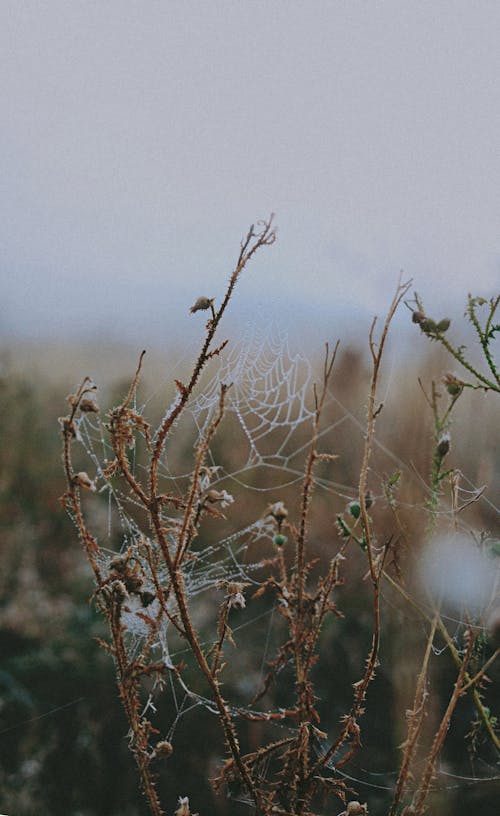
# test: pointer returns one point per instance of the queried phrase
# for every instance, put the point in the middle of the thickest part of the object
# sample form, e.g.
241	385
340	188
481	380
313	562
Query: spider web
269	414
269	395
269	410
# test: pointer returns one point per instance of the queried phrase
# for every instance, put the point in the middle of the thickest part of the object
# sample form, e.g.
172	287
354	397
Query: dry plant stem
484	339
222	627
493	737
456	353
72	496
325	605
302	629
128	689
483	335
191	635
423	790
300	548
122	425
118	441
351	727
139	727
249	246
376	350
440	423
415	722
482	671
188	525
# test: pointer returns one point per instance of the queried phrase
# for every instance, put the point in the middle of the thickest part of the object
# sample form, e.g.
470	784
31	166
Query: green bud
428	326
454	386
343	528
354	509
279	540
443	325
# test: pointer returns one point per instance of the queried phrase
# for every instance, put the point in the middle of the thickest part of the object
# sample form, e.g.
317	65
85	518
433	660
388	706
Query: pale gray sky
139	140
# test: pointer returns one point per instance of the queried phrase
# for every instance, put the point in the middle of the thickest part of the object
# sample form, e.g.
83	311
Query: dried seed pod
163	749
147	597
88	406
119	591
356	809
222	496
234	597
369	500
68	427
202	304
133	583
119	563
443	445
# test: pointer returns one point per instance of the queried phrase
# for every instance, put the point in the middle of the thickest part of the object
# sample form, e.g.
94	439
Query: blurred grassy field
63	750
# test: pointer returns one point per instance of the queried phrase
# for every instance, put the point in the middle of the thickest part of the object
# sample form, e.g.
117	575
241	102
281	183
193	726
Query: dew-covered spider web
270	395
267	419
259	452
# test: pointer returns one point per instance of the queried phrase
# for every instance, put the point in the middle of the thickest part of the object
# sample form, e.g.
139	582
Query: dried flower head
222	496
235	596
279	513
183	809
133	583
89	406
119	591
234	593
355	808
119	563
454	386
207	475
82	479
202	304
115	592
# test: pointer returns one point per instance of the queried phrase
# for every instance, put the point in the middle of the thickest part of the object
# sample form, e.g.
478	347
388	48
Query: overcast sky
140	139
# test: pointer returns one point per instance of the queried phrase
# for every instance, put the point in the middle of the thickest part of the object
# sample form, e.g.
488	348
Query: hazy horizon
140	141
